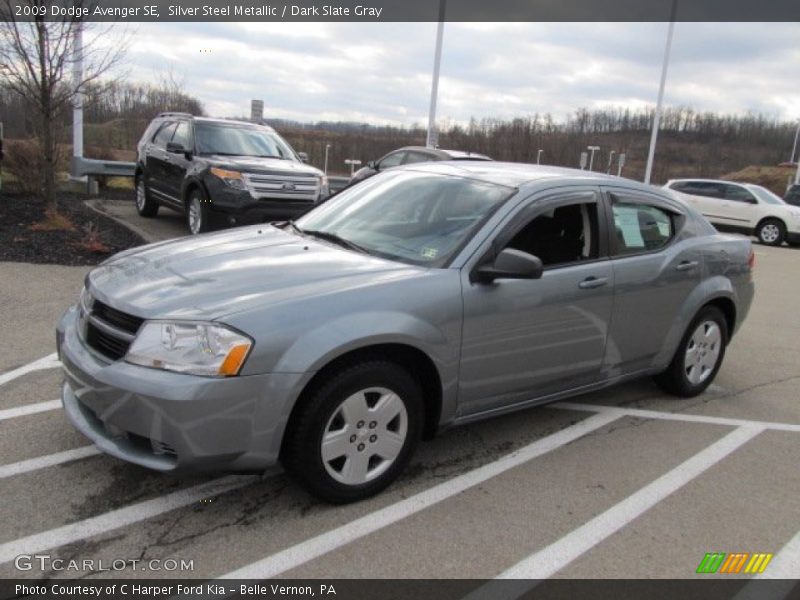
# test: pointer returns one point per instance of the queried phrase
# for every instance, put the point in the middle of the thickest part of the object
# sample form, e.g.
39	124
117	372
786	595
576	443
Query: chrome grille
283	187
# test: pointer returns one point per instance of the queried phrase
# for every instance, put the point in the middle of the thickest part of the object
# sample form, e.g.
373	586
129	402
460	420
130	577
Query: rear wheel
356	432
771	232
699	355
198	218
145	205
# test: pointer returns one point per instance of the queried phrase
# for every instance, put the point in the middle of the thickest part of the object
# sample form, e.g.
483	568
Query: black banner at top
406	10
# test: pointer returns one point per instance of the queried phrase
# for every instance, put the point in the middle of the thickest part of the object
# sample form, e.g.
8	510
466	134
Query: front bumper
238	207
172	421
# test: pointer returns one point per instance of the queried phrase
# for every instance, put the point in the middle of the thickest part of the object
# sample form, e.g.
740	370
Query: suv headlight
324	188
232	178
192	347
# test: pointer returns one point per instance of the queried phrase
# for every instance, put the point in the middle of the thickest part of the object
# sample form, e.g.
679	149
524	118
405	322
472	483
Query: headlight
232	178
192	347
324	188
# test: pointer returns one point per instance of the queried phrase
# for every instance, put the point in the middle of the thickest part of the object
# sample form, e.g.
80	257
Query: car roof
701	180
215	120
520	174
445	154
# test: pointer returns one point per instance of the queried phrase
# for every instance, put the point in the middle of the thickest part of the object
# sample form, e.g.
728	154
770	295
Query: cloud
381	72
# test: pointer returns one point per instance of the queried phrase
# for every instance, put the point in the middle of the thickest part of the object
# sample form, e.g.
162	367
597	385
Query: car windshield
765	195
410	216
221	138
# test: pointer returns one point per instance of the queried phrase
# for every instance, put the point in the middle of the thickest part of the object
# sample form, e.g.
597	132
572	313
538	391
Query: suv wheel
699	355
145	205
198	218
771	232
356	432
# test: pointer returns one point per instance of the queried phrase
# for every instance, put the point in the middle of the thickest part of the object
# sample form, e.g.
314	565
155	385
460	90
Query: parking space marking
304	552
786	562
554	557
669	416
121	517
48	362
29	409
41	462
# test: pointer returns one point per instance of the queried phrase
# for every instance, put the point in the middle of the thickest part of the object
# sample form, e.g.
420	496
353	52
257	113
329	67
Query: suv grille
108	330
283	187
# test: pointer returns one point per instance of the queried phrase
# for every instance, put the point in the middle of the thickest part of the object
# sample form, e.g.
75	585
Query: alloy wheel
770	233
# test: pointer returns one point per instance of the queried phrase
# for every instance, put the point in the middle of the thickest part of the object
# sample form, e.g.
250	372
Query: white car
741	207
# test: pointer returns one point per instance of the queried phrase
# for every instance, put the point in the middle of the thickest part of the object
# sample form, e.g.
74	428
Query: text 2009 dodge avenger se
426	296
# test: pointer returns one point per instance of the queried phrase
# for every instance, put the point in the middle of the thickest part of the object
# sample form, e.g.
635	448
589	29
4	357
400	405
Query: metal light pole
352	162
797	173
433	136
794	146
657	117
327	147
610	160
77	111
592	150
539	156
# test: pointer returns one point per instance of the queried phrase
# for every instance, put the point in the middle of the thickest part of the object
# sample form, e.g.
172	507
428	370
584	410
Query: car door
176	163
526	339
655	269
156	161
739	207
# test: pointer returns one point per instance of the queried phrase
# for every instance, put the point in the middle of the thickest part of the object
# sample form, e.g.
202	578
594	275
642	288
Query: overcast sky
381	73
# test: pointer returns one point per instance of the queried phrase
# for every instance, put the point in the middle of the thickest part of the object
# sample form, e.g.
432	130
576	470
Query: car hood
254	164
210	276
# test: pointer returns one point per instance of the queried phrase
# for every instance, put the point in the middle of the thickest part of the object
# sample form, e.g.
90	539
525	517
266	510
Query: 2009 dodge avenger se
424	297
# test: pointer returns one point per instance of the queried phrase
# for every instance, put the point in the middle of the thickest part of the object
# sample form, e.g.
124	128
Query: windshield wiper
332	237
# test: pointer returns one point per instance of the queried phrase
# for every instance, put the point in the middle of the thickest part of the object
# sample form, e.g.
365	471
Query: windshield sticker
430	252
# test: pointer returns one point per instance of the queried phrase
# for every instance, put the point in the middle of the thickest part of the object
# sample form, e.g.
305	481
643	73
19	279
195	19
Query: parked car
411	155
792	195
425	297
221	171
742	207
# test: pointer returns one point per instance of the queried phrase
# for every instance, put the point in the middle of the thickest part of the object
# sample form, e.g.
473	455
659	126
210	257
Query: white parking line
786	562
669	416
41	462
48	362
121	517
551	559
304	552
29	409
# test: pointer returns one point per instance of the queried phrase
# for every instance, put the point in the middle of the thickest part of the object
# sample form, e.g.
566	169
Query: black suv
220	171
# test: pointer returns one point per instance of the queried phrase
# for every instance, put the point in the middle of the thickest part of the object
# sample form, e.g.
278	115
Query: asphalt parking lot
623	483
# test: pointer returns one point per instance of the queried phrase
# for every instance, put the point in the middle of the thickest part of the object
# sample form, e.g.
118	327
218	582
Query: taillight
751	260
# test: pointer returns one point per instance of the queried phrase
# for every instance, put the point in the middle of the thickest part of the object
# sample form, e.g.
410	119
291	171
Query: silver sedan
422	298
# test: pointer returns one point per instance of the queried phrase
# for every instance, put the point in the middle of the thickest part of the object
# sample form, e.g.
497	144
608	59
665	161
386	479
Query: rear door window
392	160
640	227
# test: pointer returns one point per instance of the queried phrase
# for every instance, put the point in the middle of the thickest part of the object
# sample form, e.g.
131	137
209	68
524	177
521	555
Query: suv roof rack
175	114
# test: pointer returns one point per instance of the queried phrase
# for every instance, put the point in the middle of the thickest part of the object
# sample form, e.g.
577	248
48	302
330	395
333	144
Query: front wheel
356	432
771	232
145	205
198	216
699	355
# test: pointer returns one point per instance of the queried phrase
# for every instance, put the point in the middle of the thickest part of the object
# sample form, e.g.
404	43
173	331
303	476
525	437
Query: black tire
675	379
145	205
302	454
771	232
198	206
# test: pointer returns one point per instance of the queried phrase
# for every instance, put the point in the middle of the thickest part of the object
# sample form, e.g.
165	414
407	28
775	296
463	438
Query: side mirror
176	148
511	264
373	165
302	156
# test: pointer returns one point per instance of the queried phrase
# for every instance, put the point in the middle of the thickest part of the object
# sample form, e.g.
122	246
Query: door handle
686	265
593	282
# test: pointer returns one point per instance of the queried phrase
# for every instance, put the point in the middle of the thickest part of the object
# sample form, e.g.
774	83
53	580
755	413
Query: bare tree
36	62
